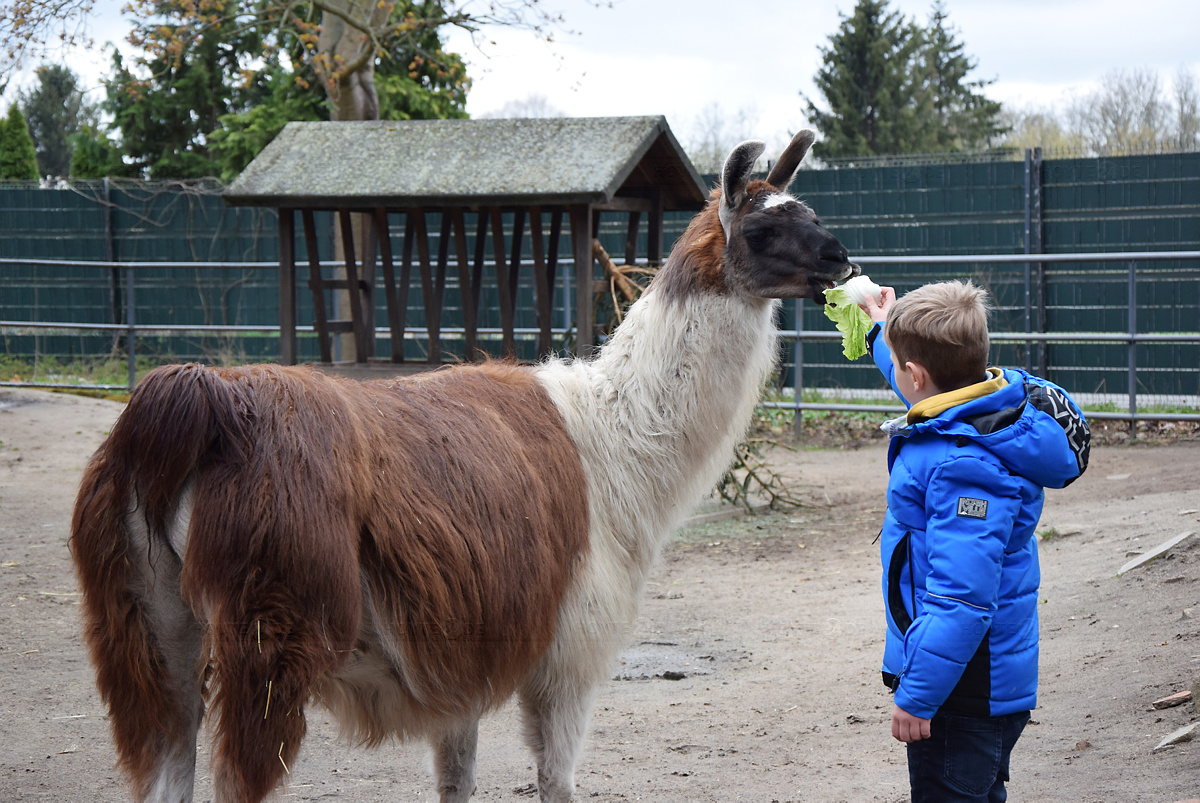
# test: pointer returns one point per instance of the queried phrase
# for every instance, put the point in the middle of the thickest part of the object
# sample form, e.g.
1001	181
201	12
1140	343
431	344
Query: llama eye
757	238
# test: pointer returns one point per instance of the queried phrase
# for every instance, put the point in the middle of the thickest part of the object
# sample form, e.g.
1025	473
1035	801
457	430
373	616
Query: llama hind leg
454	762
556	723
166	770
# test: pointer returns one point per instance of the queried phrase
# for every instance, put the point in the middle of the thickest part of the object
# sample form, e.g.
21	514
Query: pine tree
892	87
875	97
55	110
93	155
964	119
18	159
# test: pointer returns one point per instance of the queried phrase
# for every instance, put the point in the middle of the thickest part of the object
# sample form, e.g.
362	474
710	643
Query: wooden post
472	323
631	237
556	221
654	231
466	290
507	344
543	284
439	282
390	297
405	273
287	286
581	248
362	348
316	284
433	322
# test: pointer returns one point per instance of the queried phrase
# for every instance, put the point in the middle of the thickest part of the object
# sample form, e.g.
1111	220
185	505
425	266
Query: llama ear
789	162
738	167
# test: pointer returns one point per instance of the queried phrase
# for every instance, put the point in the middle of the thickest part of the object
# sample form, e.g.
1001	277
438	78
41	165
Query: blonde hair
942	327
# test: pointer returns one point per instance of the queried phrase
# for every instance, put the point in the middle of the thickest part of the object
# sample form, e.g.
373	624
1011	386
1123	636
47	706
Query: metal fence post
1028	249
798	368
1132	382
110	255
131	331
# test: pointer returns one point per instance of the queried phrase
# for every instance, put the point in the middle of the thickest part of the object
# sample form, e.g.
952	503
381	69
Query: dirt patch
752	673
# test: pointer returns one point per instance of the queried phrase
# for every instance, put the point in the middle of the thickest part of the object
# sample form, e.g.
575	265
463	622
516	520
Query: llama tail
144	643
244	459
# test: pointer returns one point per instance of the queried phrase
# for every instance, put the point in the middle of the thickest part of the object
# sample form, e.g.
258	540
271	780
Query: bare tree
1130	111
1036	127
535	105
715	132
1127	112
1186	110
33	29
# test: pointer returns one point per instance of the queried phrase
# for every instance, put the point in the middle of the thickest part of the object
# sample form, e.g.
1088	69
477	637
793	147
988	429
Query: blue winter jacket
960	563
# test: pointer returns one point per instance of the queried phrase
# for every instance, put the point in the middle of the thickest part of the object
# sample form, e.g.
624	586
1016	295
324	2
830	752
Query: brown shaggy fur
697	256
452	505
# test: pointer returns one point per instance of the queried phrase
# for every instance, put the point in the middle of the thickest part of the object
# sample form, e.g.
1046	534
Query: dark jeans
965	758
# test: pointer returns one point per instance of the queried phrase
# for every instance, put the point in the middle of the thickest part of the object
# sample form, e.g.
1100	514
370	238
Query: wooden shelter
555	168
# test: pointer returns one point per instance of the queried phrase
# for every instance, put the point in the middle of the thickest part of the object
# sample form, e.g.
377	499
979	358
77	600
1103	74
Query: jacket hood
1031	425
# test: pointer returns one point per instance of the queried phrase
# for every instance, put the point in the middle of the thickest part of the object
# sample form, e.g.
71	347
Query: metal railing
131	329
1131	338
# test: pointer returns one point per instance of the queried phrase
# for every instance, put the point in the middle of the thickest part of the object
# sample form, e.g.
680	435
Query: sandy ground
771	624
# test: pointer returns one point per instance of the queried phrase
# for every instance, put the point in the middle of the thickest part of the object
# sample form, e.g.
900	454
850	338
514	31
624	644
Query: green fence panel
1134	203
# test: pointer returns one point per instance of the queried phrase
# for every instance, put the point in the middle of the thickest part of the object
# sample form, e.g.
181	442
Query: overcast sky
754	57
676	57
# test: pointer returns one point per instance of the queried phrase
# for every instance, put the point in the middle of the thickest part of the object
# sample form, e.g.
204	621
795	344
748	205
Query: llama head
775	246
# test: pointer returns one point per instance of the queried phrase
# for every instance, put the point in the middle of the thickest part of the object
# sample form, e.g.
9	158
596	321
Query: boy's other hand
907	728
877	310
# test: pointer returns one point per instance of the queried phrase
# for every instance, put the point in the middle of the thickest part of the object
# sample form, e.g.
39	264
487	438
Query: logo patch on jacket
972	508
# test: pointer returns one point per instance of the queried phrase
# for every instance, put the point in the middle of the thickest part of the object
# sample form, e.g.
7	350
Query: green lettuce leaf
851	321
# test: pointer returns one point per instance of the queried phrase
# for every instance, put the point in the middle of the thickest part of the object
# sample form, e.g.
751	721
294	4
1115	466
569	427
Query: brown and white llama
410	553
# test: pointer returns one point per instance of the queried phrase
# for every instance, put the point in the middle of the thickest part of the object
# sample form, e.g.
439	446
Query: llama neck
657	414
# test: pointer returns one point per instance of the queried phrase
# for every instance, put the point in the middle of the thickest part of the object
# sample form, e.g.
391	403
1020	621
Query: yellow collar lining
936	405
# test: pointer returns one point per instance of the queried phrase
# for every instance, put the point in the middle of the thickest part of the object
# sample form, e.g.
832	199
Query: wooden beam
315	283
581	247
631	237
556	224
465	290
472	325
287	286
621	204
543	286
366	277
514	261
390	297
362	348
439	280
433	318
508	345
405	286
654	231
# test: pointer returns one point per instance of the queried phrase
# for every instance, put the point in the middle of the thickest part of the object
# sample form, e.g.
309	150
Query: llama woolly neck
657	413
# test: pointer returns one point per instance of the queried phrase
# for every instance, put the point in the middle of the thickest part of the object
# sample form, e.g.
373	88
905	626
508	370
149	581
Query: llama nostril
834	254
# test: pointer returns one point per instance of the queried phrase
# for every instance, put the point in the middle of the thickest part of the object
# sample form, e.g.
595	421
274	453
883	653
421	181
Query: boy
967	467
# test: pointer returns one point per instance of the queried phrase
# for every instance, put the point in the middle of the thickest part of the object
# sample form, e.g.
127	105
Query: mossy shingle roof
426	163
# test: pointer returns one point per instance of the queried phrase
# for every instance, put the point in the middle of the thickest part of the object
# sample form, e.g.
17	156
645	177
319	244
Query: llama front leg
556	723
454	762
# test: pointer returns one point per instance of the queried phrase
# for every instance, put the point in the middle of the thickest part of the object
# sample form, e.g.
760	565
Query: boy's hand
877	310
905	727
